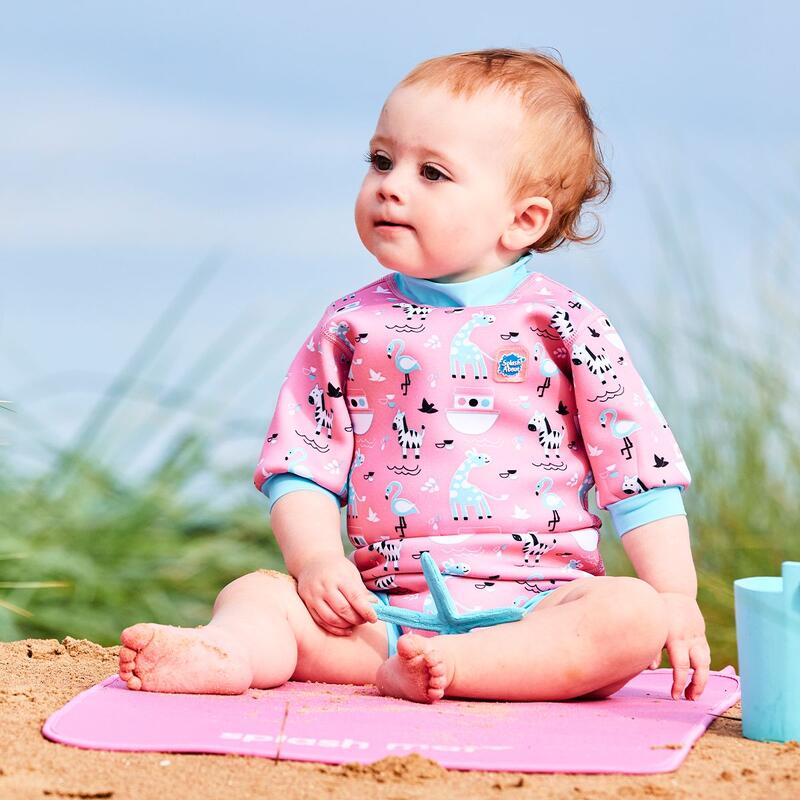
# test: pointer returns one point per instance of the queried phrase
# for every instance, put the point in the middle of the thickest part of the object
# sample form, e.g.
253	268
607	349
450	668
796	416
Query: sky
151	149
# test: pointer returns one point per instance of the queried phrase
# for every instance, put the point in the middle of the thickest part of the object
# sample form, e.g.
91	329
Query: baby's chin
428	272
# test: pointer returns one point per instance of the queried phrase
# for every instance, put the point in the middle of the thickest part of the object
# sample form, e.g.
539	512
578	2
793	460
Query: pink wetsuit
472	433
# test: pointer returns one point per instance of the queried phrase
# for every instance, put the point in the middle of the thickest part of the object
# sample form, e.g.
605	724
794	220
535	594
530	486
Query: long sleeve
630	446
311	435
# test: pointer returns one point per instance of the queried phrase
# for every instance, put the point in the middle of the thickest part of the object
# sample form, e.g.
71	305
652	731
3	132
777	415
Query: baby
462	405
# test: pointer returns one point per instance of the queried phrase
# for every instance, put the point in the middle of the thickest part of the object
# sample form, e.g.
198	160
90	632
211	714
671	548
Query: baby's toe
134	682
435	693
410	645
438	681
432	659
137	637
433	662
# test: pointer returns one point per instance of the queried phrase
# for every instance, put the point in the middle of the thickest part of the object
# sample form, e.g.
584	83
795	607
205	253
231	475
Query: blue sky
138	139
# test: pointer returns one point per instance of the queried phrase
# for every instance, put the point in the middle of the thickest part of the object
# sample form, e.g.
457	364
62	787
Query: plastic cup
768	641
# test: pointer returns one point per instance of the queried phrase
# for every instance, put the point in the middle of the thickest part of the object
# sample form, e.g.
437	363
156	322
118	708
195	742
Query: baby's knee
273	573
644	609
264	584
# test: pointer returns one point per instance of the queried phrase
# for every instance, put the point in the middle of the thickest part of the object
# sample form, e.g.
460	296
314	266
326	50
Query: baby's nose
392	188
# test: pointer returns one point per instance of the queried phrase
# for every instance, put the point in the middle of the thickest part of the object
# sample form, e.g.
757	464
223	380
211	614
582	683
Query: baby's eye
380	162
432	174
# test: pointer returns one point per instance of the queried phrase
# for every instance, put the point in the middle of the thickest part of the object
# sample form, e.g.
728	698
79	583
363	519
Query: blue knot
446	619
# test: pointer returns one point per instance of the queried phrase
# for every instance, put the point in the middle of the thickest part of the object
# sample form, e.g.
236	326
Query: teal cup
768	641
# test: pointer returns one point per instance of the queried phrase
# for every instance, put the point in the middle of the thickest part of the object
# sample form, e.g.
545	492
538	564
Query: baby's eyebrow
425	151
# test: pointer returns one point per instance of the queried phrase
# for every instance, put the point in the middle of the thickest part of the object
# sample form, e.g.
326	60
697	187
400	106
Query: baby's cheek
360	213
463	233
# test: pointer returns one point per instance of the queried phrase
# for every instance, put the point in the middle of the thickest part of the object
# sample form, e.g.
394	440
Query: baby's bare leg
260	635
587	638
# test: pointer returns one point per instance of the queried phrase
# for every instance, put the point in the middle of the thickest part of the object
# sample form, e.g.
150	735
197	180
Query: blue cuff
630	513
276	486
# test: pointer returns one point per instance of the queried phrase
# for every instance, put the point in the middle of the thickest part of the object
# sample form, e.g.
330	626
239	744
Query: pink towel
640	729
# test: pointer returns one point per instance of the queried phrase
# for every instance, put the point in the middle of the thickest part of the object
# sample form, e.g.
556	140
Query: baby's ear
532	217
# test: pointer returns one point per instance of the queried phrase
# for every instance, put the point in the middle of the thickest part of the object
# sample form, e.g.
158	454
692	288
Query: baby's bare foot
165	658
418	672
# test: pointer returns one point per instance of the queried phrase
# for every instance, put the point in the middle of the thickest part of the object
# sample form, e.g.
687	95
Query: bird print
621	429
405	363
299	455
427	407
547	368
549	500
401	506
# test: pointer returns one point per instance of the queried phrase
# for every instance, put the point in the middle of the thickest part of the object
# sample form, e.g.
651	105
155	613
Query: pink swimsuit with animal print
472	433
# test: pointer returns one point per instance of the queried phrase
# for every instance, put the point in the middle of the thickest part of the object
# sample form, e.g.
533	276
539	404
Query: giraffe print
463	494
465	353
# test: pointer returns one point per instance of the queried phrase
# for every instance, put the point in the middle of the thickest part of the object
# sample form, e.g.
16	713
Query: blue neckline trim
485	290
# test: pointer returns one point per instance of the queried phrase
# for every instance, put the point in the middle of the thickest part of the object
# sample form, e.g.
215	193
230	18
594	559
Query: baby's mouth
383	223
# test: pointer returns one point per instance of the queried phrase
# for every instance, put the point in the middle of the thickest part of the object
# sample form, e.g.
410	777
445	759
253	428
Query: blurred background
176	209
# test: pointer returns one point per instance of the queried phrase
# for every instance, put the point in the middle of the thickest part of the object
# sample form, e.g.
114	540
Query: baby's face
440	167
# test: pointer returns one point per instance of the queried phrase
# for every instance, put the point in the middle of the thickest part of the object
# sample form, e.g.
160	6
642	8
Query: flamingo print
620	429
400	506
297	467
547	368
405	363
549	500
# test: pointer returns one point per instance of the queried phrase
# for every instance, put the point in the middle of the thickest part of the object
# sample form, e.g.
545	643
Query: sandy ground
38	676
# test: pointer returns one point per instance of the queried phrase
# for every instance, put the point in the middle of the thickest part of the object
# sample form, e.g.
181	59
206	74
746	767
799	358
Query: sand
38	676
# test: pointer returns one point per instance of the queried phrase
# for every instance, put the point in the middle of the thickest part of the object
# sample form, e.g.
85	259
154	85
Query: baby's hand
334	594
686	645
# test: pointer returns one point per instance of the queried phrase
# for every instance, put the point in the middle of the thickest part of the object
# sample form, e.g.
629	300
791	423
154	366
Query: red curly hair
561	158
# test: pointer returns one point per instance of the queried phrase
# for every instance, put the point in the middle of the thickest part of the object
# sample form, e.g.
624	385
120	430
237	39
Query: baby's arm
630	446
306	527
661	555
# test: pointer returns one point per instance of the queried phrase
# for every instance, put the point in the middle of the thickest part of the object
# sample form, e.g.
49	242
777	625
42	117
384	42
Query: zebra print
322	417
597	363
531	545
412	310
560	321
549	438
407	437
390	551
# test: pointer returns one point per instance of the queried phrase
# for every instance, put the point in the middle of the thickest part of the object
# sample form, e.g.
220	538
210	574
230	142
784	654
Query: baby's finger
700	655
340	606
679	658
330	620
361	600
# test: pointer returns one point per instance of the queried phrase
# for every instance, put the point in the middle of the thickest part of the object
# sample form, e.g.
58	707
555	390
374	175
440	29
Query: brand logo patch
510	364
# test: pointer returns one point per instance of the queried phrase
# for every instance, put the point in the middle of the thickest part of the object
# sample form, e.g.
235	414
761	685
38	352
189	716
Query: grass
86	552
113	551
